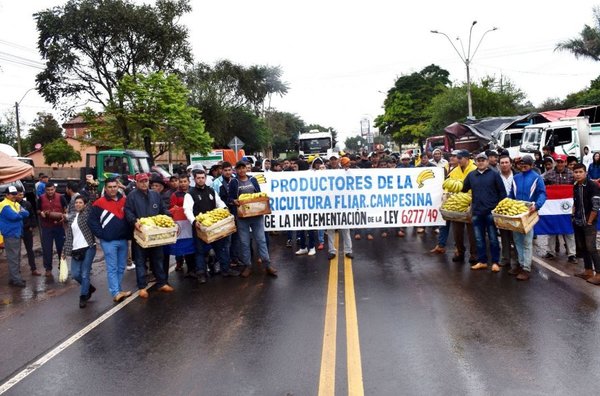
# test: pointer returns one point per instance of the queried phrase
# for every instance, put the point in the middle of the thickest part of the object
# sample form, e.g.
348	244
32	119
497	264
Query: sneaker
82	301
549	256
514	270
495	268
130	267
523	276
420	230
288	243
91	291
321	246
246	272
572	259
122	295
143	293
166	289
230	273
312	252
369	237
17	283
350	255
479	266
330	256
438	250
437	230
300	252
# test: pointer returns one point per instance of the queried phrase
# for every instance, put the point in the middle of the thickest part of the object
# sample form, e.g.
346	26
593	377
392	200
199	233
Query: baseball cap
491	153
141	176
404	156
454	152
334	156
481	155
345	160
463	154
12	190
561	157
527	160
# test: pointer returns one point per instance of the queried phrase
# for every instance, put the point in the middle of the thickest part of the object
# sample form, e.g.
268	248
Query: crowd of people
74	223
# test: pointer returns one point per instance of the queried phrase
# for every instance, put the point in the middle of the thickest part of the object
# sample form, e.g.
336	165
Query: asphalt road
421	325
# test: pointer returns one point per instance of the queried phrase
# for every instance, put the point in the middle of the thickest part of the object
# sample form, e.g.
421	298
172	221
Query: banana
162	221
424	175
260	178
209	218
510	207
246	197
458	202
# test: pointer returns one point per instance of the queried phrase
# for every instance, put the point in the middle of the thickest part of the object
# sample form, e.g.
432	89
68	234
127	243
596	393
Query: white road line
68	342
551	268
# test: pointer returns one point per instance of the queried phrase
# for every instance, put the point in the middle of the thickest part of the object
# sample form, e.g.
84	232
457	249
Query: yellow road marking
355	377
327	376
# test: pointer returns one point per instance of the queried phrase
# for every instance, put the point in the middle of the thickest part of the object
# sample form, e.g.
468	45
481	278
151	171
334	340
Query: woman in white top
80	244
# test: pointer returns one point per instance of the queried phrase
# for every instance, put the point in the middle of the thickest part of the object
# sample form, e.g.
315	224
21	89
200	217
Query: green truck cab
111	163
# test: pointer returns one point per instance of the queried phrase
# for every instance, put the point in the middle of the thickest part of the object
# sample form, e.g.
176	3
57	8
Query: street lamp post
467	58
18	124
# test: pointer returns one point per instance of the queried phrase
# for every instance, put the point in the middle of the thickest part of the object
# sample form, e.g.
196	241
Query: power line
21	58
21	63
18	46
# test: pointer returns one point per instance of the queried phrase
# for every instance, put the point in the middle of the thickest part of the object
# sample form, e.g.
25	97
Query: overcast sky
340	57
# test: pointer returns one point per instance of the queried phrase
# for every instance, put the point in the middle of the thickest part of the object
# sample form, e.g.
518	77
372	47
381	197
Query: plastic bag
63	270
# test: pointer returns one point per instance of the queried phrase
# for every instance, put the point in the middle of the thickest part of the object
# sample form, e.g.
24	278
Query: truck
508	139
315	142
567	136
215	156
110	163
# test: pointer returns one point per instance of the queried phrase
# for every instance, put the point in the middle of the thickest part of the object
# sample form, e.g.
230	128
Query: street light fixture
467	58
18	125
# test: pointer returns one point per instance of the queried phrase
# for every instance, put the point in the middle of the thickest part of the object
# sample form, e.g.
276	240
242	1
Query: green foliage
153	108
587	45
355	144
8	130
90	45
490	98
44	129
284	128
321	128
60	152
406	116
588	96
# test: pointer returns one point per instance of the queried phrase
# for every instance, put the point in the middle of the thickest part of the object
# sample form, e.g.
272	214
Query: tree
322	128
490	98
406	117
284	129
44	129
8	128
355	144
587	45
90	45
60	152
155	108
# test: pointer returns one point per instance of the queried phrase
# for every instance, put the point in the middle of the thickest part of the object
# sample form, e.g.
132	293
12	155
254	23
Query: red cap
141	176
561	157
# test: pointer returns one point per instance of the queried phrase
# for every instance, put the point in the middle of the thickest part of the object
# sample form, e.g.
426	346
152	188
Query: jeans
52	235
80	270
483	224
234	247
569	241
155	255
345	234
585	238
443	235
255	223
458	231
28	242
221	248
115	257
321	236
524	245
12	247
506	236
311	239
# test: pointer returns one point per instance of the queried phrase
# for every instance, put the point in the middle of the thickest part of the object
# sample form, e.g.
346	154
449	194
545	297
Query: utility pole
467	58
18	124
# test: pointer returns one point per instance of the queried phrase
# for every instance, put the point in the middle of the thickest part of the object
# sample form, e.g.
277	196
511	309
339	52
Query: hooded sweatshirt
587	159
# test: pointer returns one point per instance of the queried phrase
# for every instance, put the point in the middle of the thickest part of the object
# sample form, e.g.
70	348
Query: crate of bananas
156	230
457	207
511	214
254	204
215	224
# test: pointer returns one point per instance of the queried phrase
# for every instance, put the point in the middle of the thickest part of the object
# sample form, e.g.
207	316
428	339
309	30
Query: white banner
354	198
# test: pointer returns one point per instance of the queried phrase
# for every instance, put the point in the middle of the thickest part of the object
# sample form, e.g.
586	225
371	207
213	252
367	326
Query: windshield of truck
531	140
314	146
141	165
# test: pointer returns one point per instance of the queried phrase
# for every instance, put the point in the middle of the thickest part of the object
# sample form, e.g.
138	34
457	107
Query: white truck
568	136
315	142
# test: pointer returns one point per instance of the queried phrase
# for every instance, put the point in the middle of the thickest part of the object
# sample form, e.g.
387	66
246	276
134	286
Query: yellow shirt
458	174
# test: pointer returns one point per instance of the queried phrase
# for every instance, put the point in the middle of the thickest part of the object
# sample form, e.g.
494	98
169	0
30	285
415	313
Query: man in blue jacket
487	189
143	202
11	228
527	186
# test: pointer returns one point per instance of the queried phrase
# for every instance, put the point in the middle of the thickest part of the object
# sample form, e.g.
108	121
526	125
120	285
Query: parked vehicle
510	140
217	155
315	142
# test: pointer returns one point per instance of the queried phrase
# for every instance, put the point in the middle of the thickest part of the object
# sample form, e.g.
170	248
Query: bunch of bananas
459	202
511	207
425	175
452	185
162	221
209	218
246	197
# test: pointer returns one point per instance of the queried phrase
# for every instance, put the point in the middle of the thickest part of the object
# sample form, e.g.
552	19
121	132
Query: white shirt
507	180
188	206
79	241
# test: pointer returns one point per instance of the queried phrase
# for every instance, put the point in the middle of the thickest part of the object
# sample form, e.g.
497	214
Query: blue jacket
488	189
11	220
140	204
529	186
594	171
107	219
234	193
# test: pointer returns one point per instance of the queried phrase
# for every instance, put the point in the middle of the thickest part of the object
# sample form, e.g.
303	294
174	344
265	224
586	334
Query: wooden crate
155	236
449	215
254	207
219	230
522	223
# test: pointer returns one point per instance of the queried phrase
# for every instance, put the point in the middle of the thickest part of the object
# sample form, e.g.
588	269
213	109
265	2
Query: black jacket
588	195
